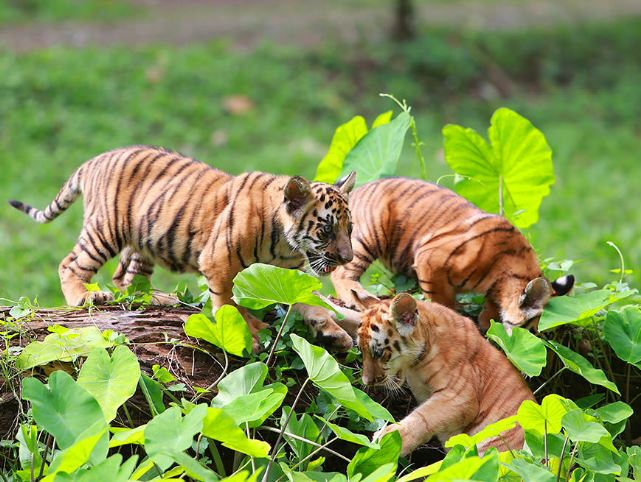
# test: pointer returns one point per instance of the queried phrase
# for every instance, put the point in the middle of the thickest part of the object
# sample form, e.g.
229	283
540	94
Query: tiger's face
320	222
388	341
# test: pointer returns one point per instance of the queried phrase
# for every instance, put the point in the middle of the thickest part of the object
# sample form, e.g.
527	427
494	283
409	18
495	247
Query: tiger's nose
345	255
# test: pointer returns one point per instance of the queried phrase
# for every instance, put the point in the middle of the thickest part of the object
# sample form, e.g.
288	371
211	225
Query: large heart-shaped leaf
376	409
622	331
63	408
345	138
324	371
262	285
242	394
597	458
377	154
530	472
581	427
516	169
581	366
220	426
111	380
544	418
111	469
525	350
303	426
230	332
490	431
614	412
64	345
563	310
349	436
76	455
367	459
170	433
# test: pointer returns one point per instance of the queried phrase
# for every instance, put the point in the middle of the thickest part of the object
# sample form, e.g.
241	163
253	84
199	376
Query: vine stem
549	380
284	427
313	453
278	335
222	375
310	442
616	248
565	444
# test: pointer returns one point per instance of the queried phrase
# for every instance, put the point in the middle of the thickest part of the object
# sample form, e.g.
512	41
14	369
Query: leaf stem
565	444
545	442
278	335
310	442
284	427
616	248
313	453
217	381
549	380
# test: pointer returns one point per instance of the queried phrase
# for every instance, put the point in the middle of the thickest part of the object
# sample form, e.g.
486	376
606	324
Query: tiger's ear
364	298
404	313
536	294
297	193
563	285
346	184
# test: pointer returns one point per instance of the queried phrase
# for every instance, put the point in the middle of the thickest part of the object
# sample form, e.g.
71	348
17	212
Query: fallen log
155	335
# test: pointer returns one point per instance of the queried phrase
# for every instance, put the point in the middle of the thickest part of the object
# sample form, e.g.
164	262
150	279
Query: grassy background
579	85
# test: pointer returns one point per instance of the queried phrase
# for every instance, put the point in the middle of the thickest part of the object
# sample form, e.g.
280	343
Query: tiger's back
451	246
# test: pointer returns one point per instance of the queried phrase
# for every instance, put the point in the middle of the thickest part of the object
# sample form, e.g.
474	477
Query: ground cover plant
293	412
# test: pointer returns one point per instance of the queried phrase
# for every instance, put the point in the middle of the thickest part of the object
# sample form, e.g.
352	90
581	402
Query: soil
244	24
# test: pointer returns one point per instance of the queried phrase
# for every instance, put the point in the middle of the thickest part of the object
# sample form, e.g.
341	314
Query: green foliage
622	331
510	176
230	332
525	351
262	285
346	136
368	459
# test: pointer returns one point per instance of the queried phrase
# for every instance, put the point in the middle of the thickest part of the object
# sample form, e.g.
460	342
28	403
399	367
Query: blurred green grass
60	107
61	10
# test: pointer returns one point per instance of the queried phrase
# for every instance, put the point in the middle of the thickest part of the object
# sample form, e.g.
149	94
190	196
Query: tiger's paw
163	299
95	298
323	326
336	339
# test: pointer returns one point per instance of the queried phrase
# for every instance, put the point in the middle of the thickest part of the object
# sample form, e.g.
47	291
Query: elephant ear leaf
510	175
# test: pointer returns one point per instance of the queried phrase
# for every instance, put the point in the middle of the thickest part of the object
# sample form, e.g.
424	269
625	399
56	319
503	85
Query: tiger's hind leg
79	266
322	323
131	264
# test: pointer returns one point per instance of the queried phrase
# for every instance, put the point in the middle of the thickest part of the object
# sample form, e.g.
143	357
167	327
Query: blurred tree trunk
403	28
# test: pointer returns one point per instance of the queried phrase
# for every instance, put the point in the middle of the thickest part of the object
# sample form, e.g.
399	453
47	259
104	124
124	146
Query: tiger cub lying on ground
451	246
153	206
460	380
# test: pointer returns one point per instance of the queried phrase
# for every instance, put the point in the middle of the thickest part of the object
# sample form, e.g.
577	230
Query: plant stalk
284	427
278	335
215	455
549	380
565	444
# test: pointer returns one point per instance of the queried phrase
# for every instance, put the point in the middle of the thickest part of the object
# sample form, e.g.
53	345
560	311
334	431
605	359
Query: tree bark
155	335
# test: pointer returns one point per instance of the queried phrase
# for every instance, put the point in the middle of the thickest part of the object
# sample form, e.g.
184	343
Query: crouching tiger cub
157	206
460	380
451	246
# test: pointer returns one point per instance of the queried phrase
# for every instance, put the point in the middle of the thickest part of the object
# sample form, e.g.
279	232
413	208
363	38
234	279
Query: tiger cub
451	246
155	206
460	380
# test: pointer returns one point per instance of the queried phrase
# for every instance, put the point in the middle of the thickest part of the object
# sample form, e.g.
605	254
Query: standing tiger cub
461	382
451	246
153	206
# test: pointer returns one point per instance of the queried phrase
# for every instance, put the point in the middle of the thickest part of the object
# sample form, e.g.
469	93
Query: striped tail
65	197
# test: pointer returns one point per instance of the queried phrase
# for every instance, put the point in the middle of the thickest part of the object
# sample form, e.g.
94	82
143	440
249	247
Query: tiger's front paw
323	326
95	298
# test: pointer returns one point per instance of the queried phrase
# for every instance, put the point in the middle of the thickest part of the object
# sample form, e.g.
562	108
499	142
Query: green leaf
622	331
194	469
345	138
525	350
519	160
382	119
531	472
489	431
597	458
220	426
349	436
63	408
377	410
64	345
152	391
614	412
111	380
563	310
545	417
422	472
169	433
377	154
581	427
470	468
230	332
243	381
111	469
126	436
324	371
368	460
581	366
76	455
303	427
263	285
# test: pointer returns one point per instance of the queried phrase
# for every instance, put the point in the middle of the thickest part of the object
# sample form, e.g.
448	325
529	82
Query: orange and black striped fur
461	382
155	206
451	246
